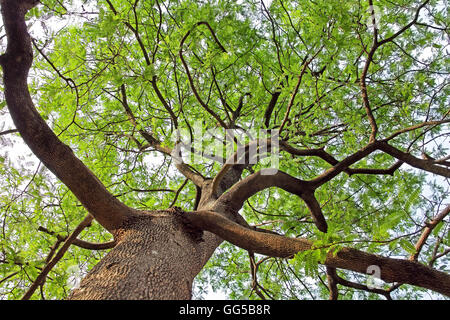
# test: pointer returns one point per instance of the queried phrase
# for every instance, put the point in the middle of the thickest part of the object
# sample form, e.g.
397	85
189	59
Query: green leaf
407	246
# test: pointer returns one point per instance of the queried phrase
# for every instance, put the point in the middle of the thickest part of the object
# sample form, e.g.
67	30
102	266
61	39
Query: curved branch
188	73
57	156
391	270
270	107
81	243
258	181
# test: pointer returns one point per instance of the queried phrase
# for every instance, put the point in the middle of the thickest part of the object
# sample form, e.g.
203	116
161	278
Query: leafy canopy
86	51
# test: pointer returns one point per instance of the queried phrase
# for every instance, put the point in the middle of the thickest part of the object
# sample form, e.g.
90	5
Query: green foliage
97	52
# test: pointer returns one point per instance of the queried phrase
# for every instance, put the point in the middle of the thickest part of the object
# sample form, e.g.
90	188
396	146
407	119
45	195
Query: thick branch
391	270
258	181
57	156
43	275
332	283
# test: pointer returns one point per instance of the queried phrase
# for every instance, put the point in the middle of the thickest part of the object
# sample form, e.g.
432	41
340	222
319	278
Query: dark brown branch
244	189
415	127
225	105
57	156
406	27
427	165
148	190
80	243
344	164
164	102
370	55
198	196
8	277
148	62
182	167
338	280
8	132
178	193
321	153
297	86
427	231
188	73
254	272
43	275
270	107
391	270
388	171
437	256
364	94
235	164
332	283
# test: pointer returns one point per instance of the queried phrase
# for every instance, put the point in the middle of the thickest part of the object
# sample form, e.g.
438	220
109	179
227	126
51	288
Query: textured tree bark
158	254
157	257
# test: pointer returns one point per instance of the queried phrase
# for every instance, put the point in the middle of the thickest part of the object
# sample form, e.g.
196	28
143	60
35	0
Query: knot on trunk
195	233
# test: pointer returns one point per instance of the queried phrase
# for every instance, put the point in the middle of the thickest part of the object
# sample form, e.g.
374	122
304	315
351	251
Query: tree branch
188	73
8	132
338	280
332	283
270	107
195	177
43	275
415	127
427	165
57	156
244	189
427	231
81	243
391	270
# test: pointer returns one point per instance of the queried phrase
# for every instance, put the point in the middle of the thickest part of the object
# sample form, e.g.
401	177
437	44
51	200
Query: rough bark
157	257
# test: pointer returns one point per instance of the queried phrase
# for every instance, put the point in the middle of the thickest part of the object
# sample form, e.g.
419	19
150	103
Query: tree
353	96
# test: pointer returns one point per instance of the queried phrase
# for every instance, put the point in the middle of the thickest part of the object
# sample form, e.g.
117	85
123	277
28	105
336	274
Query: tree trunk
157	256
